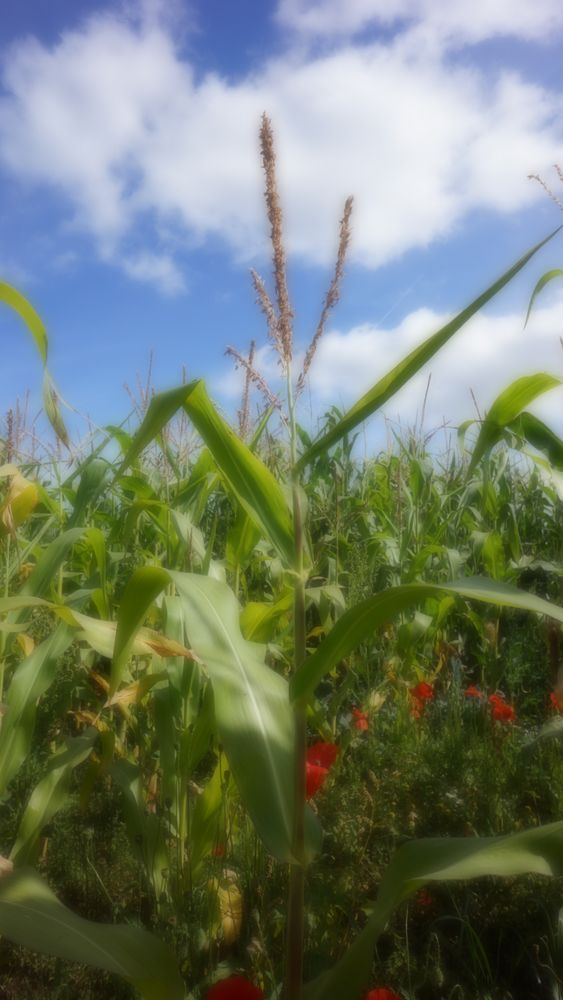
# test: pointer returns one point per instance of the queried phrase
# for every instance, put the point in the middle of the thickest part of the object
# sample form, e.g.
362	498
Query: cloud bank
149	157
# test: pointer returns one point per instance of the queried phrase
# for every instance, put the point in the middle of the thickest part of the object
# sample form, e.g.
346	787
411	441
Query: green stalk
3	634
296	898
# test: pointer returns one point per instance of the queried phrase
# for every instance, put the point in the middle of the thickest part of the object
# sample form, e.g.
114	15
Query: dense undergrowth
274	721
450	770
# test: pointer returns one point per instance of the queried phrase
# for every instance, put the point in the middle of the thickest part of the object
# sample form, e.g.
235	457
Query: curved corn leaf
49	796
543	281
49	562
11	297
540	436
506	408
31	678
359	623
253	484
147	833
207	829
387	386
252	709
16	301
32	916
52	410
538	851
92	480
143	587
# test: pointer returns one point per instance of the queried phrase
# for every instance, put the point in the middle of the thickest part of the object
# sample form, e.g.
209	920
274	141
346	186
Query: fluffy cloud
481	360
146	153
448	20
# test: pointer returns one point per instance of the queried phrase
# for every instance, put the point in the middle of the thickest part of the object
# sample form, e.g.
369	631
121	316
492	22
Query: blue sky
130	195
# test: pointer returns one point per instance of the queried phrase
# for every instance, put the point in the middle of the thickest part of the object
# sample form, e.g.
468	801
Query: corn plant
211	654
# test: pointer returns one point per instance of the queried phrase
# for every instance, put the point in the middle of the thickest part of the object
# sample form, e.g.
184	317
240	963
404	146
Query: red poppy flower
382	994
320	757
556	701
315	779
419	695
322	754
424	898
501	710
422	691
496	699
361	720
218	851
234	988
474	692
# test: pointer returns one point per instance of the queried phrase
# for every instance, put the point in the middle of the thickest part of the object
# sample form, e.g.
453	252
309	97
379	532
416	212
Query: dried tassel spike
333	293
284	338
548	191
244	412
255	377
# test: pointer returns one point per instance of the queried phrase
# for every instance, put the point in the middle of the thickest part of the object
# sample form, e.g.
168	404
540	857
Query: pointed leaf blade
386	387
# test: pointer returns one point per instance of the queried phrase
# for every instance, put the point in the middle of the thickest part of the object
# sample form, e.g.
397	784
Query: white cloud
448	20
160	270
116	121
484	356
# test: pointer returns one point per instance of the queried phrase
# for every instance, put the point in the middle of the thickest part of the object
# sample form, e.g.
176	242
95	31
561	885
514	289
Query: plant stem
3	634
296	898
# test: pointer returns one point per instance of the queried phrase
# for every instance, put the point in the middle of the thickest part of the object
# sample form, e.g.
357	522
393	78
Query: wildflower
423	691
424	898
556	701
382	994
218	851
361	720
474	692
323	754
234	988
315	779
320	758
501	710
419	695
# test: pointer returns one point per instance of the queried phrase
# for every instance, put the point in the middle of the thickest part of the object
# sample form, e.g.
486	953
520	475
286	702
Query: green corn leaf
32	916
147	832
253	484
16	301
258	619
92	479
49	562
507	407
540	436
31	678
359	623
543	281
144	586
52	409
252	708
538	851
208	821
386	387
49	796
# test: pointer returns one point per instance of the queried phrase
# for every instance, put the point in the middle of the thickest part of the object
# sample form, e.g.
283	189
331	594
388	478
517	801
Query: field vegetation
276	721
